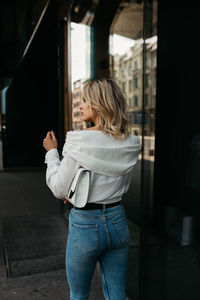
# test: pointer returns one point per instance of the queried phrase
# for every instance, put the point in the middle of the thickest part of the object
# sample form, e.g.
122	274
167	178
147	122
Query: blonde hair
107	99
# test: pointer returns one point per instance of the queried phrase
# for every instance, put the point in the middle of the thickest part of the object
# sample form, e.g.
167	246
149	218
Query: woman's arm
59	174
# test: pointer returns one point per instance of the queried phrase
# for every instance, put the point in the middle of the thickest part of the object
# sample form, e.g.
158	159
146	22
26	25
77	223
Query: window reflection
133	66
81	69
126	67
128	73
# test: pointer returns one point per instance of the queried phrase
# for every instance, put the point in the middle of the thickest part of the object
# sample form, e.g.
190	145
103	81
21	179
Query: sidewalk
25	196
49	285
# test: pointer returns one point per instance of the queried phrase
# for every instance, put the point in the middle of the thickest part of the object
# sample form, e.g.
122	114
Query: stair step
34	244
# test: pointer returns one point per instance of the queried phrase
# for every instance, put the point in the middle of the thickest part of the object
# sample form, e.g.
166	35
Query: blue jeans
99	235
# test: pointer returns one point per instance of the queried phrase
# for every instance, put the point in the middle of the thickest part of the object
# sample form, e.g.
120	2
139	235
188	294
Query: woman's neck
96	123
96	127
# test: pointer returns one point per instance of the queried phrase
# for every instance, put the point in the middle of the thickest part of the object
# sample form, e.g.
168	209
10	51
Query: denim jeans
99	235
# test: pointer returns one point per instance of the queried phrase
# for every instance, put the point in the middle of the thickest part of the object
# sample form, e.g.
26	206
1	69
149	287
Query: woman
98	232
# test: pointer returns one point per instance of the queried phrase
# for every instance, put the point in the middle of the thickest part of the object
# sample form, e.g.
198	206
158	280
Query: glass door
133	52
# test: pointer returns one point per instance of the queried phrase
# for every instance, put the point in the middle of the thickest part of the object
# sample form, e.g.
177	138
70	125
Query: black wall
33	98
177	116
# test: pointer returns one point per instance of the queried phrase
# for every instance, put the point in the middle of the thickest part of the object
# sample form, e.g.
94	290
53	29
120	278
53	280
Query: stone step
34	244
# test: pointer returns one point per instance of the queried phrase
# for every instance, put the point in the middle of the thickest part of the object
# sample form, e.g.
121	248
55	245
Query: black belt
89	206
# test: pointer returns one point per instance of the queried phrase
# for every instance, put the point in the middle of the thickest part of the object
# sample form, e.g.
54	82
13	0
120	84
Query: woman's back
110	161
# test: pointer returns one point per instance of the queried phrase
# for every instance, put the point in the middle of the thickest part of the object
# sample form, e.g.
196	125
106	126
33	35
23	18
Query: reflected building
81	63
128	72
77	124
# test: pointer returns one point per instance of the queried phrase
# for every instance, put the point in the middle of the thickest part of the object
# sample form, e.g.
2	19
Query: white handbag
78	192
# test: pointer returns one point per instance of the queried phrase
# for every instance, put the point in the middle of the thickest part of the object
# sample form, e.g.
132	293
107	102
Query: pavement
28	209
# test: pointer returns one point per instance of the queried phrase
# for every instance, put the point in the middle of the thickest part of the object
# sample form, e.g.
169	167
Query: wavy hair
108	100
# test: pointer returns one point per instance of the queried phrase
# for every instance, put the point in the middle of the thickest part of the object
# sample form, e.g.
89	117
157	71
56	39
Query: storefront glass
81	68
133	52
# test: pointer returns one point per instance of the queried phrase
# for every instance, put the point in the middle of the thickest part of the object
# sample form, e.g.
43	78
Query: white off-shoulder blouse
110	160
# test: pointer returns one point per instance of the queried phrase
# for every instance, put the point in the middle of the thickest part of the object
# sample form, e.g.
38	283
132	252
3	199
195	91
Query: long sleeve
59	174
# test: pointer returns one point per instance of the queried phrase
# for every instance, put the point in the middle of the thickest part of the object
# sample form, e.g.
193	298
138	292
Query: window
130	69
135	64
147	78
130	86
124	71
76	104
135	100
135	82
147	62
124	86
132	103
77	114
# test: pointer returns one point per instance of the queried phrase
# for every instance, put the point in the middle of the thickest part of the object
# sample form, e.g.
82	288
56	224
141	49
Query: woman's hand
50	141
